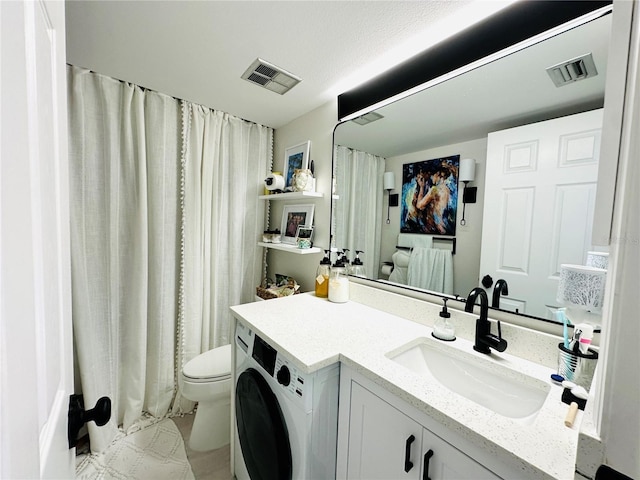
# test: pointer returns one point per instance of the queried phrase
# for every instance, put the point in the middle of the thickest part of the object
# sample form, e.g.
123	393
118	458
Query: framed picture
430	196
294	216
304	232
296	157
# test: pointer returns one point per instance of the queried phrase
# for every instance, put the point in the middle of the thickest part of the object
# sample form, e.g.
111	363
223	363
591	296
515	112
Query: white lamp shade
389	180
582	287
467	171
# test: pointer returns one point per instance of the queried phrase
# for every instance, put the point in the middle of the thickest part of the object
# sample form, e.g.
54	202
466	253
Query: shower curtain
133	329
224	160
358	216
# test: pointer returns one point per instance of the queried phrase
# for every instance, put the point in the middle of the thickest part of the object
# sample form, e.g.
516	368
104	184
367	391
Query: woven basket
267	294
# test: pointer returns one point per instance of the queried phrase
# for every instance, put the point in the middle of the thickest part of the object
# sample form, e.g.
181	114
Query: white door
36	374
538	208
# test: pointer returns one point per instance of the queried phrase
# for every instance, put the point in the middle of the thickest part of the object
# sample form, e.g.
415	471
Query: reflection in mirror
535	147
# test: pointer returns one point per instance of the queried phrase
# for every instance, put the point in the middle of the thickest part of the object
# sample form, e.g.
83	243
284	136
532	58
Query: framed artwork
304	236
296	157
430	196
294	216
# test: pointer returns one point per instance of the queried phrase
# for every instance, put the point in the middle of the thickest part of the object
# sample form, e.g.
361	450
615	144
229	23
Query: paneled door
538	208
36	374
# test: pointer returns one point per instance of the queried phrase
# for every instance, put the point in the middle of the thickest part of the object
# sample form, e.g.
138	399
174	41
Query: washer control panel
277	366
289	377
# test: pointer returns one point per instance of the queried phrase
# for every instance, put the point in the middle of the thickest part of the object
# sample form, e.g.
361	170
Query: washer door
262	431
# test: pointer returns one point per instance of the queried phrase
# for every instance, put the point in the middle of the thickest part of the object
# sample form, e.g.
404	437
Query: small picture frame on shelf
294	216
304	236
295	158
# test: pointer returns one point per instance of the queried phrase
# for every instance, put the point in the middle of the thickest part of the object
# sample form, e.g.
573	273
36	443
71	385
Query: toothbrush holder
577	367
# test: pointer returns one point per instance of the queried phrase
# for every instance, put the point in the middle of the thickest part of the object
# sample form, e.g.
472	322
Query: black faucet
485	340
500	288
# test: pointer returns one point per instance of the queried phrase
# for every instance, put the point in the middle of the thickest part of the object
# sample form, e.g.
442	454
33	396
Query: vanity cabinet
379	441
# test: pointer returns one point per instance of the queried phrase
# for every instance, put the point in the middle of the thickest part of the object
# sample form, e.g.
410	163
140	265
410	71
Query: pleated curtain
358	212
225	160
141	308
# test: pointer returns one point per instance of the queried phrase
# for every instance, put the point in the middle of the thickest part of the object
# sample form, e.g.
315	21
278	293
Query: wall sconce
389	182
467	174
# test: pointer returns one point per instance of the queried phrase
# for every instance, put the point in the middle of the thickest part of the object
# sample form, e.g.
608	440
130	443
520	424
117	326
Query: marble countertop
316	333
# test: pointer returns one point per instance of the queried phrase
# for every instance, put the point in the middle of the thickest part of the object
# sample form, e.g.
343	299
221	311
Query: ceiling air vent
270	77
572	70
367	118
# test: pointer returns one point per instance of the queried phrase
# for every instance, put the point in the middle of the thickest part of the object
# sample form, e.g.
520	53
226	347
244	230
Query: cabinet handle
408	464
425	469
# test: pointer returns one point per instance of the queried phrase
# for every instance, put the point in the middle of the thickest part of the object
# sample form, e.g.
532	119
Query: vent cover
367	118
270	77
573	70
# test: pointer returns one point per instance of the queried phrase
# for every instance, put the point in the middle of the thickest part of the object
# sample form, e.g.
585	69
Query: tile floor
213	465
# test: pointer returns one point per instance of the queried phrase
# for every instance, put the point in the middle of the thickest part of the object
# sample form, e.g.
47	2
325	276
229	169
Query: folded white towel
431	269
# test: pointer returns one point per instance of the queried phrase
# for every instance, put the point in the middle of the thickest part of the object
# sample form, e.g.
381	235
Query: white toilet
206	379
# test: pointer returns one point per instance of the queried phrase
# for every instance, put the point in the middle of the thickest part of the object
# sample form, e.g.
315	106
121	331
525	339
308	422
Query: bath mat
155	452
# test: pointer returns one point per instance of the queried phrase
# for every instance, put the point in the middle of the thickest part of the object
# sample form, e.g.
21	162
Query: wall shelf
291	195
285	247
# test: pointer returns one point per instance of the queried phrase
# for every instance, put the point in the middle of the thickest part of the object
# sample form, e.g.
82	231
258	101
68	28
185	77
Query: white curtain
124	236
165	219
358	215
225	161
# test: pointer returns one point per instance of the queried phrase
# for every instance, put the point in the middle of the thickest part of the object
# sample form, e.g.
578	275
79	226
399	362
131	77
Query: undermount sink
503	390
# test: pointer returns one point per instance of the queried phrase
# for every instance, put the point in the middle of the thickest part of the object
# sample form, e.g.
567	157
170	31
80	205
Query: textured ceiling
197	50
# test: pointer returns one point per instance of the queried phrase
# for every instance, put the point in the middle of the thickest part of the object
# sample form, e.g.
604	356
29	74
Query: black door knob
78	416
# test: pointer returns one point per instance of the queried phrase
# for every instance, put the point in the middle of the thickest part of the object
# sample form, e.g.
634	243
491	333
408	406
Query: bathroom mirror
454	117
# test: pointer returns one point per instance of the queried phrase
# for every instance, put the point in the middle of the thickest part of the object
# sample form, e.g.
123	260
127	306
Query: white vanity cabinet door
449	463
382	439
379	436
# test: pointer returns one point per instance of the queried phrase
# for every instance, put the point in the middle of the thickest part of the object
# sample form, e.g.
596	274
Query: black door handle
425	467
78	416
408	464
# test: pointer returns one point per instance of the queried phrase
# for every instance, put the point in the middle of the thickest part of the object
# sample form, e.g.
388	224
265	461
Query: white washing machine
286	421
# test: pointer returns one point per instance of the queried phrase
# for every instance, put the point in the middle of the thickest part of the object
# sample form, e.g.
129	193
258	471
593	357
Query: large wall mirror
492	114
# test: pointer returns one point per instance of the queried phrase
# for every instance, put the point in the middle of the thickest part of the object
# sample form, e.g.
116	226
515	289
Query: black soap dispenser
357	267
443	329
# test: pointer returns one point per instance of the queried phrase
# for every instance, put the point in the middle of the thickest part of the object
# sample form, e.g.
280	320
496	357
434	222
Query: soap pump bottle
357	267
345	261
443	329
339	281
322	276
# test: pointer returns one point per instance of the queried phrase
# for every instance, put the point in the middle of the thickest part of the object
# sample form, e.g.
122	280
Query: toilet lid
215	363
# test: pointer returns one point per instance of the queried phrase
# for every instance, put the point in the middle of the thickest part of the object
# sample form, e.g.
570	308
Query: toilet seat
211	366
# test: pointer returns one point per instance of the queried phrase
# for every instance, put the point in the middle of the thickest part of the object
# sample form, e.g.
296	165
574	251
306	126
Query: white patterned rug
156	452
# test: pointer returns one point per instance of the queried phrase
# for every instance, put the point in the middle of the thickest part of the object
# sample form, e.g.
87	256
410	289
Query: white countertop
316	333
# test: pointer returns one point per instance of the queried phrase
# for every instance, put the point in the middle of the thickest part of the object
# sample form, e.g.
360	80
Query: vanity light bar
572	70
269	76
480	62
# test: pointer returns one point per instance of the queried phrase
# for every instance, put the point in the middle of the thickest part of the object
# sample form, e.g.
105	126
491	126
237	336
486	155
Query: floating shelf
291	195
285	247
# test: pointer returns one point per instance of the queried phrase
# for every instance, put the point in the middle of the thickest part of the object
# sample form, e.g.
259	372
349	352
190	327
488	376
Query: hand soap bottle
443	330
357	267
322	276
338	282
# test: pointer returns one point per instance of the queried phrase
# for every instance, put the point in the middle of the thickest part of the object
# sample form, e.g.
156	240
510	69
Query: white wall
316	126
466	261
